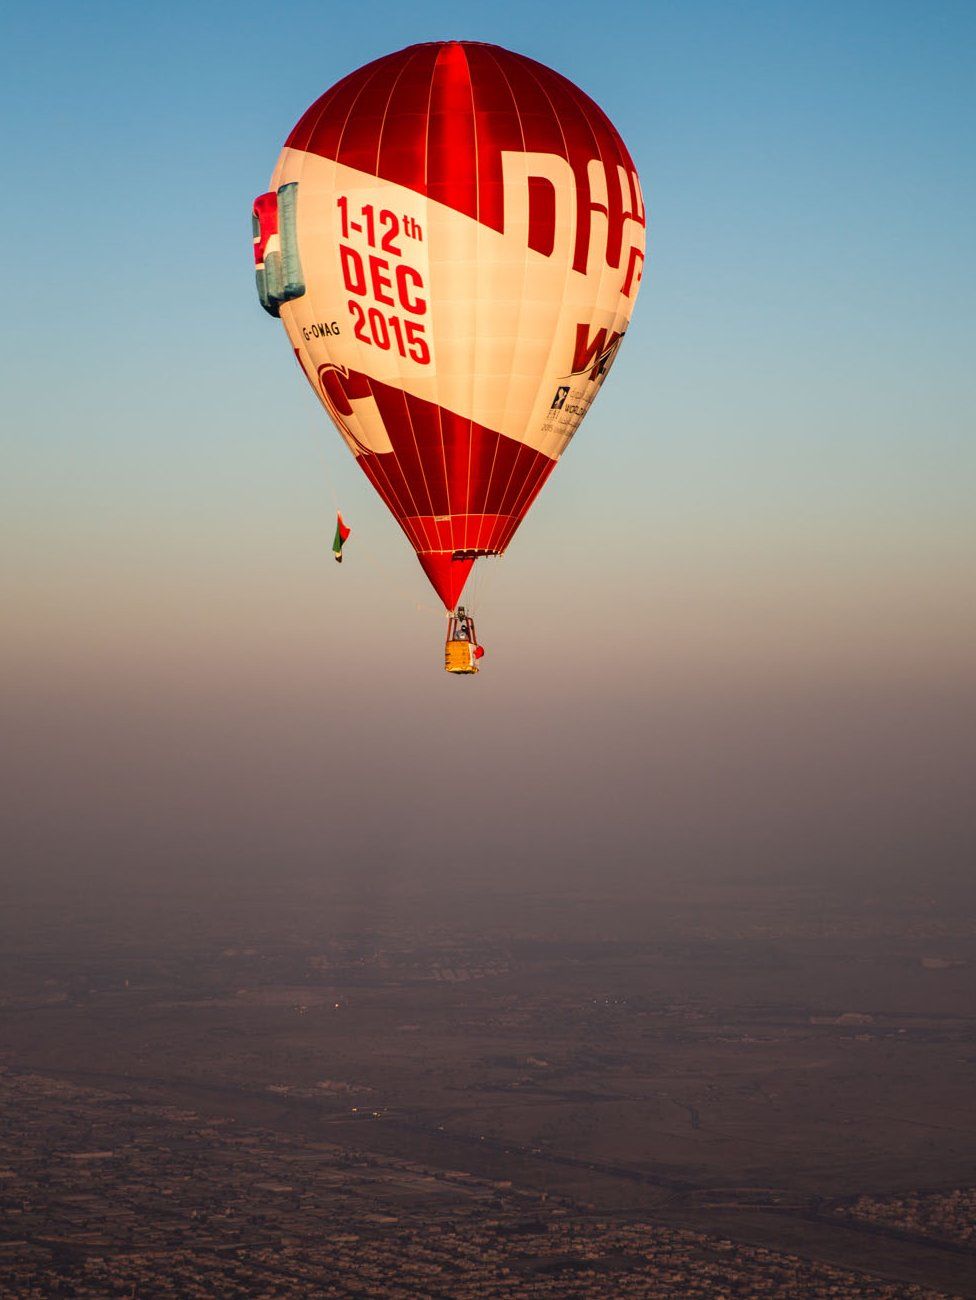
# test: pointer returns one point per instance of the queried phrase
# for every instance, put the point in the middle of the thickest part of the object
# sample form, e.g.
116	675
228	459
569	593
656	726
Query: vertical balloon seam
438	407
500	541
399	362
477	318
514	513
507	500
543	471
413	432
480	539
413	52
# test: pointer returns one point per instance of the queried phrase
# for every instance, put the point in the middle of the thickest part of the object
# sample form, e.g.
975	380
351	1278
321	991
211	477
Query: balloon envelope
454	240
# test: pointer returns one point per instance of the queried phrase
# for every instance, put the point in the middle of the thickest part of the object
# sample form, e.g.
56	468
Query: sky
736	634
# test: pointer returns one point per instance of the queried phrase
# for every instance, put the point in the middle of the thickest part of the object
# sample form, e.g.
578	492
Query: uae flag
342	535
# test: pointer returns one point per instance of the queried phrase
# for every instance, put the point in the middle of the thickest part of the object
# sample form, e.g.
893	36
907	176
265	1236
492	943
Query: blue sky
766	519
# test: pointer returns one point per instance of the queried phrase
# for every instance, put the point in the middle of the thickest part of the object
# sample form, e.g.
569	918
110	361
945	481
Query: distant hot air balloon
453	239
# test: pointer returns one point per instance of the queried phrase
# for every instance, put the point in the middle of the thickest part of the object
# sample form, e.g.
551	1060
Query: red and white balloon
454	240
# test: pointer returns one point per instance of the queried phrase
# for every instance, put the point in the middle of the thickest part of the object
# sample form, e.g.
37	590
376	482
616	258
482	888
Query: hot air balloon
453	239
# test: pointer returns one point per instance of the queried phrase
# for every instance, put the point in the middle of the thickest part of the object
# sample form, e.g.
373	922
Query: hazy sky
737	632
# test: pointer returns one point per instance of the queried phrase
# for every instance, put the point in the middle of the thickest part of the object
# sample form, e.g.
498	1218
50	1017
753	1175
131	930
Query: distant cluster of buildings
102	1195
585	1264
947	1216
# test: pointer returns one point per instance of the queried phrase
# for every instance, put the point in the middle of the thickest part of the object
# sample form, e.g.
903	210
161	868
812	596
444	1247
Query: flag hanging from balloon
341	537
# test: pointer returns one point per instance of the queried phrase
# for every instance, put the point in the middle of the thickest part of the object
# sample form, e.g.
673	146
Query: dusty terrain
728	1091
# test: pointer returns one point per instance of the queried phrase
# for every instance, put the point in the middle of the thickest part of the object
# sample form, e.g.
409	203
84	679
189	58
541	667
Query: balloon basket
461	649
458	658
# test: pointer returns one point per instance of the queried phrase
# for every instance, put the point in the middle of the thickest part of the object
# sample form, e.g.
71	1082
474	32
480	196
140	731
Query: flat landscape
726	1090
